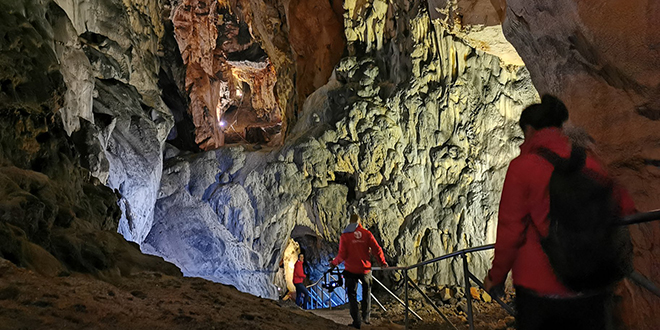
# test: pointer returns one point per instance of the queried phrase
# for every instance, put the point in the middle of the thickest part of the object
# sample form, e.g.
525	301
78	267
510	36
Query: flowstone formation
413	132
112	49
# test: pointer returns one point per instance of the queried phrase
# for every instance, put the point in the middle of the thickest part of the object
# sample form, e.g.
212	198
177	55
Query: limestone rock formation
607	72
478	23
230	79
116	62
414	135
54	216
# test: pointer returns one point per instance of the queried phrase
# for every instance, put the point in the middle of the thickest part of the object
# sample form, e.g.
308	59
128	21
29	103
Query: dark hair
551	112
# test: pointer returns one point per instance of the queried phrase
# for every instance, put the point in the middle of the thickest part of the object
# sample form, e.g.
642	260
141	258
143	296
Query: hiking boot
354	325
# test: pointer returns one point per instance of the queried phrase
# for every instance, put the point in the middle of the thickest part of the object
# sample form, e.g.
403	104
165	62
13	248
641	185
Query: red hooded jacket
355	246
298	273
525	198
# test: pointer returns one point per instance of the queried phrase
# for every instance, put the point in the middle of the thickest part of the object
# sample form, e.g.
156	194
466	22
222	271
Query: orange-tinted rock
603	59
478	23
316	34
195	27
304	40
222	59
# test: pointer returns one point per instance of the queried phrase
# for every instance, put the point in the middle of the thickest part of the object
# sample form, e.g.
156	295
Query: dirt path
342	316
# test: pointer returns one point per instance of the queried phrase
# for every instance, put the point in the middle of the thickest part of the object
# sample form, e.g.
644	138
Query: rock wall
413	132
607	71
116	64
55	215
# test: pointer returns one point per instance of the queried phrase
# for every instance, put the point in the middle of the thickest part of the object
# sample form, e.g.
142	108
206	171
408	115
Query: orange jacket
298	273
355	246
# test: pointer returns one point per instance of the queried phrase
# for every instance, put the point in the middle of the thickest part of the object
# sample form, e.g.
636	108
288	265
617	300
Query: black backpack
587	249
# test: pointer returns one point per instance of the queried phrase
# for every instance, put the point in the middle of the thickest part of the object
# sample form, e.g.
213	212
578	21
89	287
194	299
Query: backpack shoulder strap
550	156
576	161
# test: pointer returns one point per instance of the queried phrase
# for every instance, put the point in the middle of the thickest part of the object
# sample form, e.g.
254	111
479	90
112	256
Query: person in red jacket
302	294
541	300
356	245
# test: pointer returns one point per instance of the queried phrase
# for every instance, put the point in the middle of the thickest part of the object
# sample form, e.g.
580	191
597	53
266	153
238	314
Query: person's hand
385	265
488	284
494	290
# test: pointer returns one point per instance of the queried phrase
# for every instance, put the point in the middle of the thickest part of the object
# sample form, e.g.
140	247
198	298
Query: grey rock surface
108	55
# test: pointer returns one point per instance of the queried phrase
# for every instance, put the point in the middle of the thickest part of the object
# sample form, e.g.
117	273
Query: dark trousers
543	313
351	287
302	295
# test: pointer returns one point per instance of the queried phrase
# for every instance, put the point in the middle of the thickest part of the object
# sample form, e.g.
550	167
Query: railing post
405	281
331	295
468	294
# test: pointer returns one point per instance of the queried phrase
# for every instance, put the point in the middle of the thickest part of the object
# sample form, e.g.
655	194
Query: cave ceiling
249	72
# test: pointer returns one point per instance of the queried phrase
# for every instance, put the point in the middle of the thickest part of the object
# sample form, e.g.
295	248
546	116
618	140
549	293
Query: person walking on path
356	245
302	295
543	299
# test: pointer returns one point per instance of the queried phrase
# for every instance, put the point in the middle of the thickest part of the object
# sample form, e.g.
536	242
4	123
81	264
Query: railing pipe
496	298
641	217
405	272
397	298
468	294
432	304
644	282
378	302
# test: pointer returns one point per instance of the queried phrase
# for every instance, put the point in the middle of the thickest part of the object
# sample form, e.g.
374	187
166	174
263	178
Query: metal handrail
641	217
467	277
397	298
635	276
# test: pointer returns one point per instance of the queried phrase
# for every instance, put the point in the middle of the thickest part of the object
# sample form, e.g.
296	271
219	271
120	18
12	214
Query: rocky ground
487	316
153	300
146	300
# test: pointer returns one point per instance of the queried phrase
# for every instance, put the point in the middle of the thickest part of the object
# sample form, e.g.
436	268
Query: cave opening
317	254
229	78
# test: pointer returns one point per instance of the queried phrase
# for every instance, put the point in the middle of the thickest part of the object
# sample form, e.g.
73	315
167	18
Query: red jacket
298	273
525	198
355	246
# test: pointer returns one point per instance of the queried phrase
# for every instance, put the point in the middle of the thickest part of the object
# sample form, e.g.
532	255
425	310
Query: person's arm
342	254
511	223
299	272
376	250
626	203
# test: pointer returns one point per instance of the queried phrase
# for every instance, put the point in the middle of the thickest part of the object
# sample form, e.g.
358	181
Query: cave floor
488	316
152	300
145	300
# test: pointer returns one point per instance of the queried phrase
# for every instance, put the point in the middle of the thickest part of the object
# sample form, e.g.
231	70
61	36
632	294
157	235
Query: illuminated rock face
116	61
230	80
55	216
414	134
607	71
242	91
